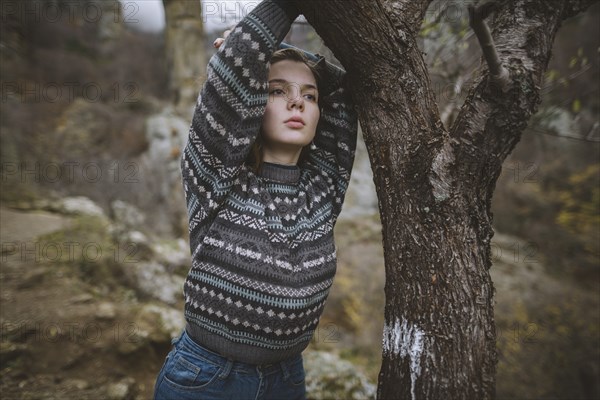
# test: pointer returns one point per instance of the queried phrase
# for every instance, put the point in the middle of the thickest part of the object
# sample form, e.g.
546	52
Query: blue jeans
193	372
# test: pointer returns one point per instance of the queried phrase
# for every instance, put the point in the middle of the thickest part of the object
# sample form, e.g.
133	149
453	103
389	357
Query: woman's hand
219	41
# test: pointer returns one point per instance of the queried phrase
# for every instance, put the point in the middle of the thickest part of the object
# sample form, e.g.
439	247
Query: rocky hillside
90	305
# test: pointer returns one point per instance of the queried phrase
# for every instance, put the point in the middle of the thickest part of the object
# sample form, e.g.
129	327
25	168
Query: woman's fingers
219	41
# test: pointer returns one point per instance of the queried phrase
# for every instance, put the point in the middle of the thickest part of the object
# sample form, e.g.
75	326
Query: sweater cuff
333	77
289	7
278	15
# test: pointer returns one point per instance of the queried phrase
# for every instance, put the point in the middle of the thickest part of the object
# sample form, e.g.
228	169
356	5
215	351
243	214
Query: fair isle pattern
267	287
263	253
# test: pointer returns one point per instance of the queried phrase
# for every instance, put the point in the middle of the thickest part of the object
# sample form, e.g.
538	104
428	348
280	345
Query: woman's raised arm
335	142
230	107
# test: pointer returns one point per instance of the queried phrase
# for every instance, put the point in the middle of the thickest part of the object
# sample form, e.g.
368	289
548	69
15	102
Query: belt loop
226	369
286	372
177	338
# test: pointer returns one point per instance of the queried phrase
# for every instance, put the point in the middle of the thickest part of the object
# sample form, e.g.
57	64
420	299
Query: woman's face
292	112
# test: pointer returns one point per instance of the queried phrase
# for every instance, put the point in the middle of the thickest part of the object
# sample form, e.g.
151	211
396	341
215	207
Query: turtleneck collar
280	172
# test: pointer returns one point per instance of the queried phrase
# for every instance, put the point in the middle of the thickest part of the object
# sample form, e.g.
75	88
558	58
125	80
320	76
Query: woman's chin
292	141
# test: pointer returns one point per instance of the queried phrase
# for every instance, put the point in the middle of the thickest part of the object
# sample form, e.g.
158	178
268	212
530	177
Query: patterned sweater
263	252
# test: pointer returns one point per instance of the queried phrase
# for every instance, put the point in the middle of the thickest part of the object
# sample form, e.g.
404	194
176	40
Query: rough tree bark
435	185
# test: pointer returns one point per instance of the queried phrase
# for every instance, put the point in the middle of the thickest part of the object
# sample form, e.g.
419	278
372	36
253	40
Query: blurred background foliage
546	206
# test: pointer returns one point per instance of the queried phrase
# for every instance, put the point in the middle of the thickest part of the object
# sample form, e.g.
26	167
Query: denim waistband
229	364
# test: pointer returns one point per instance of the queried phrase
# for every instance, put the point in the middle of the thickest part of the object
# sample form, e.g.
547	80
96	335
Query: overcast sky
216	13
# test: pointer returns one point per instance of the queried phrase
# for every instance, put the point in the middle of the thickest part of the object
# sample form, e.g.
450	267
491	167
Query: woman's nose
296	102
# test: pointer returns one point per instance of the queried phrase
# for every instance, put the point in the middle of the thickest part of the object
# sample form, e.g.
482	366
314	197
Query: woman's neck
282	156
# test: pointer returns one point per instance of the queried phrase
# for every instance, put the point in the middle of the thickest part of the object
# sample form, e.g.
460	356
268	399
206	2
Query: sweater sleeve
334	145
230	107
333	149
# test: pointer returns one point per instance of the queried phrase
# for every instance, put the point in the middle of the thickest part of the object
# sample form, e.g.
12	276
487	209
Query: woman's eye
277	91
310	97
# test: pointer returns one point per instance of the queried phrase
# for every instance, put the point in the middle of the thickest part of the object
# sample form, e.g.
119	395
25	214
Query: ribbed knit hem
239	351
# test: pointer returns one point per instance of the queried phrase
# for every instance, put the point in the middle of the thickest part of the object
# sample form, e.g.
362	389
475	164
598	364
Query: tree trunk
435	185
184	33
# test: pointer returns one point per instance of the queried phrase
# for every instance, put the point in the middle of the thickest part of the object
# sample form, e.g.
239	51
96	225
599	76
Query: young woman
265	171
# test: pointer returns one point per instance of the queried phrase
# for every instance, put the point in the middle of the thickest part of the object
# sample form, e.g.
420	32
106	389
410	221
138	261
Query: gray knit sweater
263	253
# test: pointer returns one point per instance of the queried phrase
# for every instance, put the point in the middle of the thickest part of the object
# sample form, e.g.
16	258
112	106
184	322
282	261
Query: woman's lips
295	122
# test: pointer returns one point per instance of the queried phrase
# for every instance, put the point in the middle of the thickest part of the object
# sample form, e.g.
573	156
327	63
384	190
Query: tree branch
491	122
387	50
409	13
477	16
